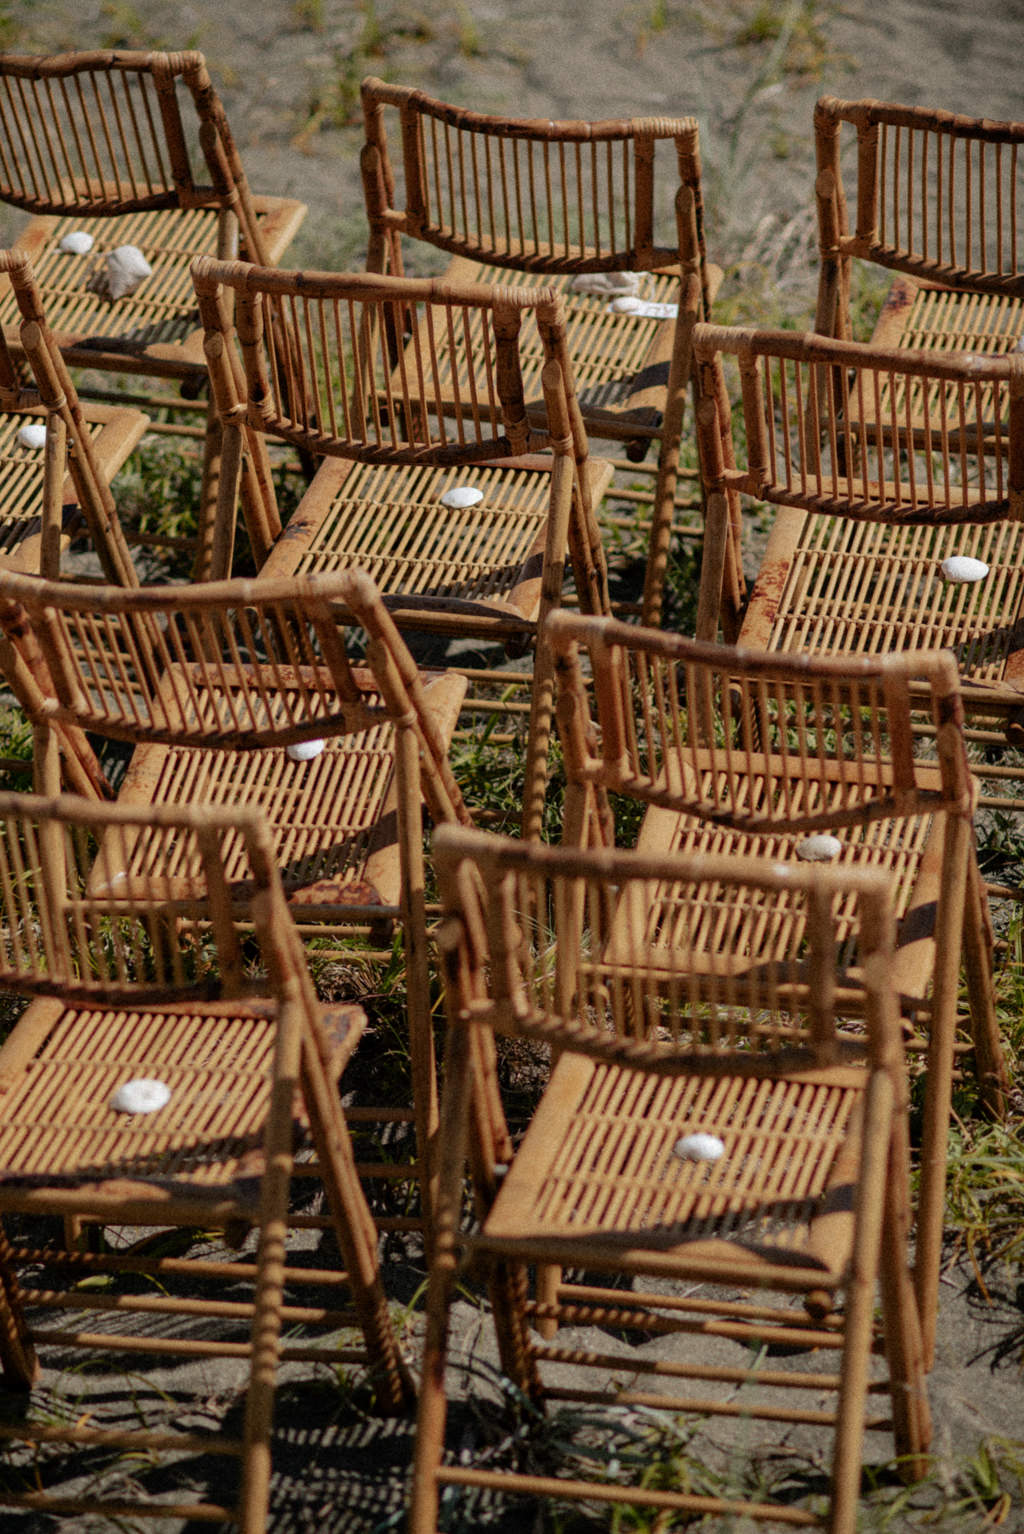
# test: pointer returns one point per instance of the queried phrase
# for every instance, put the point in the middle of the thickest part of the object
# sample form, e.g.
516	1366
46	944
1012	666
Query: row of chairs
403	389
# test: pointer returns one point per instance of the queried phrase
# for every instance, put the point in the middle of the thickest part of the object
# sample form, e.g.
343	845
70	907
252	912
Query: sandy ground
750	74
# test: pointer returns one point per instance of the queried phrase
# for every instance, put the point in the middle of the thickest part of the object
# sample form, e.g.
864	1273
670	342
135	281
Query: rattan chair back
529	195
935	195
241	665
654	1039
206	997
900	438
690	727
99	134
516	200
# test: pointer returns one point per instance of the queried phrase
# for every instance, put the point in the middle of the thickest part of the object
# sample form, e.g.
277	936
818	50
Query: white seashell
644	309
33	434
819	849
123	271
603	283
143	1095
699	1147
959	567
462	495
304	750
77	242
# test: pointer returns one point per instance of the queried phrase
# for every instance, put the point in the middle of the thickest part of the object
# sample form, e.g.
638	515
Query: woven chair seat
332	818
158	325
216	1060
931	318
114	431
835	586
389	521
597	1162
620	361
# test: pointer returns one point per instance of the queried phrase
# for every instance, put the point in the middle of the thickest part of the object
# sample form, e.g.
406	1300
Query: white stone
699	1147
644	309
32	434
77	242
304	750
143	1095
605	283
124	270
460	496
961	568
819	849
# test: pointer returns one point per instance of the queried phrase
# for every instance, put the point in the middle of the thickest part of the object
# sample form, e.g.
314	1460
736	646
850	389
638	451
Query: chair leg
989	1063
17	1353
207	534
259	1405
356	1235
872	1184
549	1278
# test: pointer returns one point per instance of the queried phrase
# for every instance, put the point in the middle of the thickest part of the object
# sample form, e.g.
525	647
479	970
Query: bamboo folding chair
218	687
783	758
131	149
157	989
872	503
804	1192
937	200
49	489
464	522
585	208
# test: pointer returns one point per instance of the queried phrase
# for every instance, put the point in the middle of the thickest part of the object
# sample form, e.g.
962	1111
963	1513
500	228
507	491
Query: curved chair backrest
236	664
531	195
105	133
755	754
71	928
935	195
600	952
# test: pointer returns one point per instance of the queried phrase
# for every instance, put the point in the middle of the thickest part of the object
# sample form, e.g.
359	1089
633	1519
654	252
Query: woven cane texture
208	1000
612	1168
894	461
134	148
394	525
159	319
324	368
58	1121
565	945
936	197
